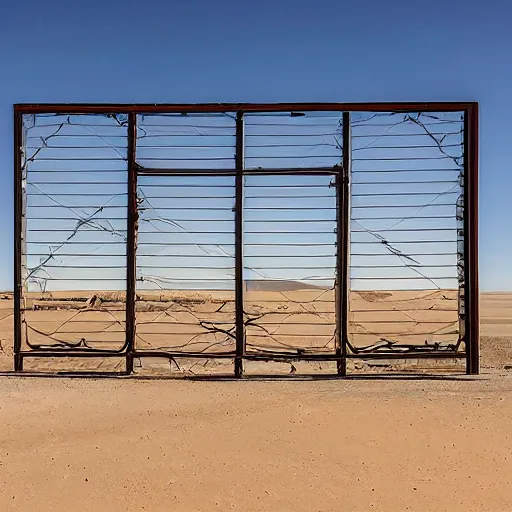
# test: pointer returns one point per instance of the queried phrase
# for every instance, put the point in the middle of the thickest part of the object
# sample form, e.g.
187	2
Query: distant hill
269	285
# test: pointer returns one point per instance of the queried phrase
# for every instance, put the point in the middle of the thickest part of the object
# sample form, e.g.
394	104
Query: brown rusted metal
342	218
341	362
344	249
131	242
186	355
471	291
239	271
342	234
375	355
18	238
318	171
71	353
123	108
250	356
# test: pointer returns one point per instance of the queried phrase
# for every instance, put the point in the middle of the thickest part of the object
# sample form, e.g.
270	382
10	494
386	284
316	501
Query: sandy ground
365	443
276	321
352	445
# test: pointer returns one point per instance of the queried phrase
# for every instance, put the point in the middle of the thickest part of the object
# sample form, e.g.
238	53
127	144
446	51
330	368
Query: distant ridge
274	285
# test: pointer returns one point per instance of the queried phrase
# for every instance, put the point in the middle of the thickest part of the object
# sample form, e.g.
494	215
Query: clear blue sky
200	51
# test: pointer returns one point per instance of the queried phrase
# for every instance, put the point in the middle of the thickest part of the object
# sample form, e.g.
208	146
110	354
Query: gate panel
292	160
290	264
185	264
74	178
407	236
186	242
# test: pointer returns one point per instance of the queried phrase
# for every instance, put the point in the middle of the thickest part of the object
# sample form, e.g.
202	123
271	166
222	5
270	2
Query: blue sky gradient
226	51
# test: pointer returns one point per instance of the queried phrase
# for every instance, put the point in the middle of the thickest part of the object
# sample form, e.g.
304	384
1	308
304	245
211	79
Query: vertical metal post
131	242
18	236
342	244
471	292
340	363
239	276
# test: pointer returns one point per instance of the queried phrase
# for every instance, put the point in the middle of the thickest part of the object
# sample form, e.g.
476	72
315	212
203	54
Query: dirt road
275	445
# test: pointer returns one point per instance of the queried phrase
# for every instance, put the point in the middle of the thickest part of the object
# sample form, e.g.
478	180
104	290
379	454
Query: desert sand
287	443
277	321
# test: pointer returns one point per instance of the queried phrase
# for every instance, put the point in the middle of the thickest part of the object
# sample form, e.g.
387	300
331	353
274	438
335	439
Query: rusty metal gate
275	232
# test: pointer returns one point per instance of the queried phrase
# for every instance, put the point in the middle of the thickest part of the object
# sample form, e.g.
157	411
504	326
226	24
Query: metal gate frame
470	165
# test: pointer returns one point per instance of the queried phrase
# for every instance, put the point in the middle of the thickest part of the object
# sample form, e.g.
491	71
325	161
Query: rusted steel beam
131	242
18	237
372	355
186	355
343	248
70	353
249	355
471	292
239	271
315	171
120	108
147	171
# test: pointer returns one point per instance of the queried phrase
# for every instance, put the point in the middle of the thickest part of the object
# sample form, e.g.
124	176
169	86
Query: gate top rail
102	108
